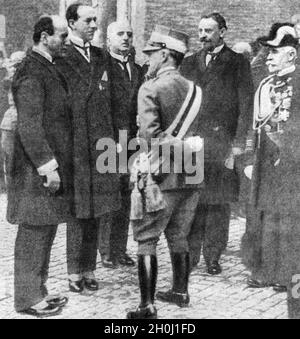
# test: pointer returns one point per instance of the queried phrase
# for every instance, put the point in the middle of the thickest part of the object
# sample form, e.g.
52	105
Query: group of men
70	97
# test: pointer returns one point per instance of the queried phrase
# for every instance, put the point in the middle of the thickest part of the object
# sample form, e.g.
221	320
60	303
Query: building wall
20	18
247	19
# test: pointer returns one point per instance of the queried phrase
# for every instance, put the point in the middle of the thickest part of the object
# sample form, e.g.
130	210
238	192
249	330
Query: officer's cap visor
153	46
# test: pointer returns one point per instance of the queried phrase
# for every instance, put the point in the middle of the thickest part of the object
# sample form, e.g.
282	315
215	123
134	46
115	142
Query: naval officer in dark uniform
271	245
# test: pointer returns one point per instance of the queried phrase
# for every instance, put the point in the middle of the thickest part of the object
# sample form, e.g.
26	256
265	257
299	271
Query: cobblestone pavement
223	297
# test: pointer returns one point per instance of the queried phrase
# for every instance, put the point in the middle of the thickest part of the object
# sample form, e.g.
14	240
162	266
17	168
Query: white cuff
48	168
249	172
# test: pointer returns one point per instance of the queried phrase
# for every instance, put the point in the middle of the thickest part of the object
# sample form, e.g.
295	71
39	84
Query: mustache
205	40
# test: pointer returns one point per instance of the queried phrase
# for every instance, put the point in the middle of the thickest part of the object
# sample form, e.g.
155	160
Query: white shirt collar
78	41
287	71
119	57
42	53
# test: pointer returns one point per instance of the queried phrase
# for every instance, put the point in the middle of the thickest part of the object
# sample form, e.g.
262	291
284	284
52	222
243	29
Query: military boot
147	271
179	293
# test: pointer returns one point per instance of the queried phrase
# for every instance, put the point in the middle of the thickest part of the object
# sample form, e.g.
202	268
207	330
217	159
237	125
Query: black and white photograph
149	162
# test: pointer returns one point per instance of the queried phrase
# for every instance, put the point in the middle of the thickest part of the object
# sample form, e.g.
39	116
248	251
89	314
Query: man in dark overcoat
225	78
126	79
271	245
95	195
40	178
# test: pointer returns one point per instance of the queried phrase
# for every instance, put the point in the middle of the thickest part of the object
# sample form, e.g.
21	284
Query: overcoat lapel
46	63
78	63
52	69
99	73
123	82
202	61
134	76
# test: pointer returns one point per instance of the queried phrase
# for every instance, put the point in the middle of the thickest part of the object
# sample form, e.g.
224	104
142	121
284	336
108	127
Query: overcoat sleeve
245	90
149	120
29	96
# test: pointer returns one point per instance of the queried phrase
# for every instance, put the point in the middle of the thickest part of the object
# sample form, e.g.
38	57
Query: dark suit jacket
225	118
95	194
43	133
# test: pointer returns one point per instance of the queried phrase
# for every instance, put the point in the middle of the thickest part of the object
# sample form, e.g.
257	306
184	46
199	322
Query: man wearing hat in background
160	101
9	122
226	81
295	20
271	245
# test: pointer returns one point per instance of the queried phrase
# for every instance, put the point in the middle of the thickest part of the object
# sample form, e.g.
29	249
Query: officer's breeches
175	221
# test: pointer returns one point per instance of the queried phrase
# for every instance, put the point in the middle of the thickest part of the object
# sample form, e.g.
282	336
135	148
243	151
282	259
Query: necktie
210	57
85	49
125	69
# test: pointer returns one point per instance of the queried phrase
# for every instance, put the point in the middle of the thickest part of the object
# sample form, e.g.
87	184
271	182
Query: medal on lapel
103	81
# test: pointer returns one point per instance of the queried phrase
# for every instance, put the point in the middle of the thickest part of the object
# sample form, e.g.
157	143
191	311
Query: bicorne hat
281	35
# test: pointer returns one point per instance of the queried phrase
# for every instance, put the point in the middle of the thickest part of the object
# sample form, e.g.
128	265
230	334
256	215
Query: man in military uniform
226	81
162	101
271	245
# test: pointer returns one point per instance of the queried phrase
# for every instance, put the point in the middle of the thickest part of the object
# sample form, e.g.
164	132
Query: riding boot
147	271
179	293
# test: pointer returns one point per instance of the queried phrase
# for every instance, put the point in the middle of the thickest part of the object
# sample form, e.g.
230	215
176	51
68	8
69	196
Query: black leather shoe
148	312
214	269
279	288
107	262
252	283
47	312
125	260
91	285
181	300
76	286
58	301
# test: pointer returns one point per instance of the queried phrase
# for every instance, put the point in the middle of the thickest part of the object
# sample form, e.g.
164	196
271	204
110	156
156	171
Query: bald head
243	48
120	37
295	20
